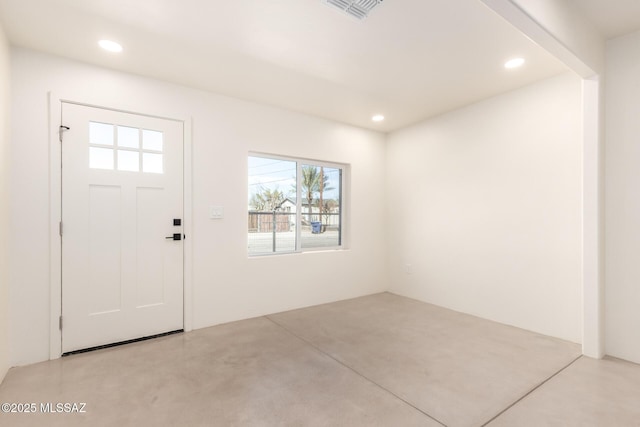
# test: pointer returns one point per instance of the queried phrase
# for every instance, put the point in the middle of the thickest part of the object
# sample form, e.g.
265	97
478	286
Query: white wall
622	202
567	25
485	206
4	204
563	31
227	285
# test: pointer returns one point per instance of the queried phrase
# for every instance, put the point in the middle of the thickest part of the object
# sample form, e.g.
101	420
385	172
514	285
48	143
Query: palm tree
310	184
322	187
314	181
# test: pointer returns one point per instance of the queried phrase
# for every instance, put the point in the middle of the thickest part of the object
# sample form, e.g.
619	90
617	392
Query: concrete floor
381	360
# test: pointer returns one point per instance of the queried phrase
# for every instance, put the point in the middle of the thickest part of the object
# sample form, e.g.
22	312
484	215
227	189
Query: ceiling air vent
359	9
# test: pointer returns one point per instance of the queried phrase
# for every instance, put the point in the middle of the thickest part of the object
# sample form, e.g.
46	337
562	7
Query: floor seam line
532	390
354	370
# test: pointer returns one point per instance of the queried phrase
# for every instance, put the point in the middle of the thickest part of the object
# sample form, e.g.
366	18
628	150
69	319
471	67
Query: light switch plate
216	212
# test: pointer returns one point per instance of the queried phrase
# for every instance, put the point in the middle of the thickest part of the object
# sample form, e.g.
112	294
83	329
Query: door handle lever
176	236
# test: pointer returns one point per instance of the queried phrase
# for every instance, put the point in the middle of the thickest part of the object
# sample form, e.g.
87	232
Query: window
124	148
294	205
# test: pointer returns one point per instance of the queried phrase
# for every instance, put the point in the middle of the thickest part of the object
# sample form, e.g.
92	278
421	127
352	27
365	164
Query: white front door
122	278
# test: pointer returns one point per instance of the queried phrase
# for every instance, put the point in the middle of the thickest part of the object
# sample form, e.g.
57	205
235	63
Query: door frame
55	203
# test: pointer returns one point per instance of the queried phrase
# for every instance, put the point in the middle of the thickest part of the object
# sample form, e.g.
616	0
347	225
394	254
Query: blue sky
277	174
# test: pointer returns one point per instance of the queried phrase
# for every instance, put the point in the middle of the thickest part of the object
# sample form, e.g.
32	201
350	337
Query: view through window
294	205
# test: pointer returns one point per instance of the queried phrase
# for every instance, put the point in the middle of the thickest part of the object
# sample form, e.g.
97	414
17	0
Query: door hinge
60	228
60	322
62	129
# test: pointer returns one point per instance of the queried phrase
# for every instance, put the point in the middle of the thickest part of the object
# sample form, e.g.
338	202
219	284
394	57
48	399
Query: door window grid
124	148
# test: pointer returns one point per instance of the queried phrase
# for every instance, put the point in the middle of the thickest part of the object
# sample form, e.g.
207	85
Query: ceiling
613	18
411	59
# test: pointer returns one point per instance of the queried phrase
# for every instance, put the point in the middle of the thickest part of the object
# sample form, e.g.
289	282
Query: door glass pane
100	133
100	158
128	137
128	161
151	140
152	163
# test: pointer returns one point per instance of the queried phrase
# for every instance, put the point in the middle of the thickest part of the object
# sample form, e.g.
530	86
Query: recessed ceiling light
377	118
111	46
514	63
